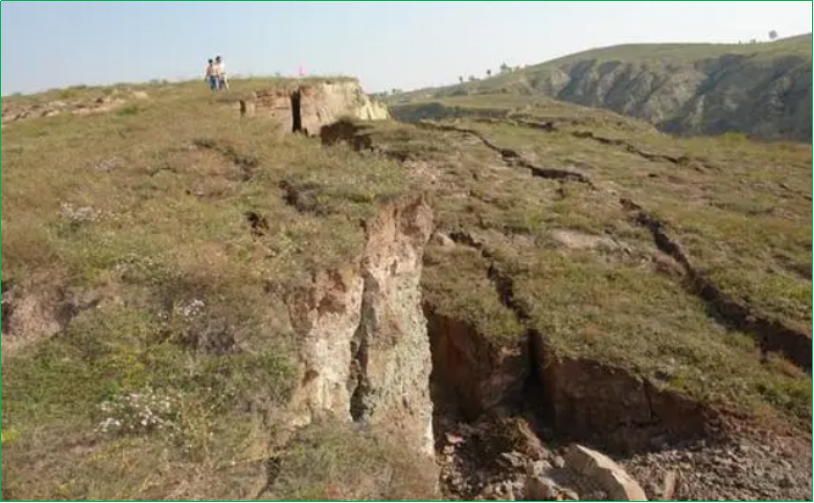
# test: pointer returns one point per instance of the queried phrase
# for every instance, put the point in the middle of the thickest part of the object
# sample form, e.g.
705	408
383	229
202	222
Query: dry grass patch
337	462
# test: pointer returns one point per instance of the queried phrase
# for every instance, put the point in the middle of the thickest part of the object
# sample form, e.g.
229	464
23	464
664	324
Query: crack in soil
513	158
359	383
504	284
247	164
771	335
682	160
585	399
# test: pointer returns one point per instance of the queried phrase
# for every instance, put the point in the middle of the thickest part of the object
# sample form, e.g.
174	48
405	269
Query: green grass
456	286
144	208
735	218
635	319
614	305
329	461
653	56
683	53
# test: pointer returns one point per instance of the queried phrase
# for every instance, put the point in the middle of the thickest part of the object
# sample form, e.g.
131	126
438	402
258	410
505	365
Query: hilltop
760	89
199	304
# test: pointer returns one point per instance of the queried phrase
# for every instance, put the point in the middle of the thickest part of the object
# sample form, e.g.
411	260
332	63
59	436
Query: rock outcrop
613	478
307	107
365	354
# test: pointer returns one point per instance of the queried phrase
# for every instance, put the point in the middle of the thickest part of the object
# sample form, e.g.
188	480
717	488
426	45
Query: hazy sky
386	44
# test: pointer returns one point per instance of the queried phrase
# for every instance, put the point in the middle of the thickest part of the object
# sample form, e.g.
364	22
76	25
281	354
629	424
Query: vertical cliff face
365	354
310	106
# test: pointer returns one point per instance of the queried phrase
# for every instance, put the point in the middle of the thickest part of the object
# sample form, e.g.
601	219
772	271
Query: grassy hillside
131	231
149	252
762	89
689	53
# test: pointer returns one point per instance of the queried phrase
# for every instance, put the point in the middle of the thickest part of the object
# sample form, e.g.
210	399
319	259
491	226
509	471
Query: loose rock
612	477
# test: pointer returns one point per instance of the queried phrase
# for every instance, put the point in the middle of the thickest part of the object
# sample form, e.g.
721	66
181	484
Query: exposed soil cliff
308	107
365	352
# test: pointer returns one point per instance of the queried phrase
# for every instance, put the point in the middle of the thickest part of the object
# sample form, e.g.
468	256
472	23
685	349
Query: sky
404	45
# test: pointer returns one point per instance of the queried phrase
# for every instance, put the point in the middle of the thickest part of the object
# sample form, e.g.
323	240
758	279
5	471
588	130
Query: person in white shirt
220	69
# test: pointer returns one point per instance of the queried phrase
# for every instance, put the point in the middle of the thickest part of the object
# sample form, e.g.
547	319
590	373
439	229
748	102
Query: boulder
605	472
540	488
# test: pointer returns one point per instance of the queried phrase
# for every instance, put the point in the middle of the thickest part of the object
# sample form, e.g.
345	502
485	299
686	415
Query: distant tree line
773	35
504	68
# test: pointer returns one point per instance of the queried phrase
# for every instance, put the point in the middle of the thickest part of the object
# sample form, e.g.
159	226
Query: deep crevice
611	408
296	111
359	384
771	335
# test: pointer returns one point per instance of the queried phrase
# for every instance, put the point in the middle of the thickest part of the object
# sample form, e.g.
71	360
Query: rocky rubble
501	459
749	469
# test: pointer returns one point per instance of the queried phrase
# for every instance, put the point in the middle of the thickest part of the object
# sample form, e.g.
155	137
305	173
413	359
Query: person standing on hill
212	76
220	68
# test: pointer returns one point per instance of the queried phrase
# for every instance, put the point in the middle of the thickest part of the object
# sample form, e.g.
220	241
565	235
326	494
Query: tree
773	35
461	79
504	68
472	78
488	73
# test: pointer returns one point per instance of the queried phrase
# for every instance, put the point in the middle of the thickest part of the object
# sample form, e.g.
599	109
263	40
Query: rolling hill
761	89
198	304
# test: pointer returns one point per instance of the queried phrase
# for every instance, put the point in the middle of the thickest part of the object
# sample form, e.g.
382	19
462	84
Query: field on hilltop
198	305
761	89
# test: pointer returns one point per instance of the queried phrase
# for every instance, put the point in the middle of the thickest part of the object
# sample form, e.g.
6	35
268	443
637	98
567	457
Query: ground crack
512	158
247	164
551	127
358	382
771	335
